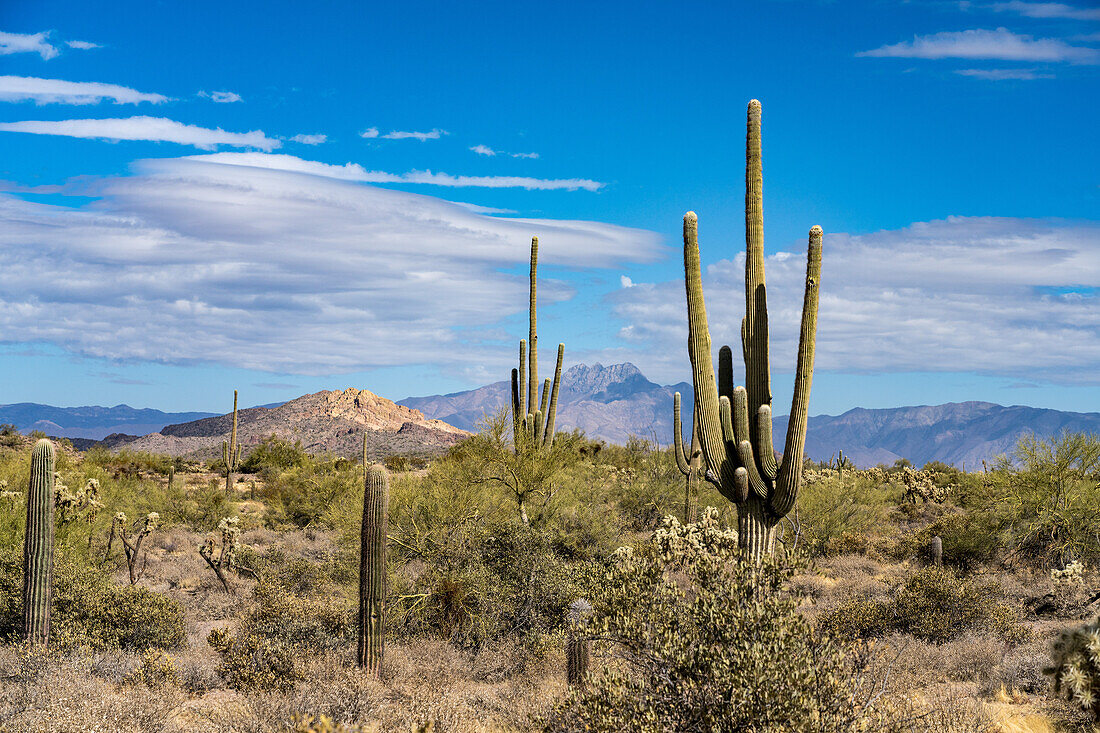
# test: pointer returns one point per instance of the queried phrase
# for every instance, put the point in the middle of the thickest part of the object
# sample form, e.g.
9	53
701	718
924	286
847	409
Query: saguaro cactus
577	648
689	461
231	451
530	419
735	424
372	570
38	545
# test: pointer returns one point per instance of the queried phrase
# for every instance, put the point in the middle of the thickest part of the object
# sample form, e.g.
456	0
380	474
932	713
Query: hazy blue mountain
92	422
613	402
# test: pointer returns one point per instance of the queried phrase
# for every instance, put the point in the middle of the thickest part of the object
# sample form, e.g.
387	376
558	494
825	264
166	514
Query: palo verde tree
735	423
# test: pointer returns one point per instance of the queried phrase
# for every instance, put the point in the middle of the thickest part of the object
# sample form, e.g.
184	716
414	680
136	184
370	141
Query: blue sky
200	197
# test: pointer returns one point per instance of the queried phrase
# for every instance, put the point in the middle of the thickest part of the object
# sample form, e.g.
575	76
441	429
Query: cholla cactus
532	419
1071	574
131	544
83	502
1076	666
223	558
921	485
8	496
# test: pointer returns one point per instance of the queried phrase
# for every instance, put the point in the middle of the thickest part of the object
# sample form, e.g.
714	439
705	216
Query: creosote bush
688	622
254	662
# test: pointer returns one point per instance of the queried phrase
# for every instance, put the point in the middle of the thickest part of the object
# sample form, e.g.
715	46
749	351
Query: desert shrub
712	627
299	602
254	662
304	494
969	539
89	610
156	670
274	452
933	604
396	463
838	507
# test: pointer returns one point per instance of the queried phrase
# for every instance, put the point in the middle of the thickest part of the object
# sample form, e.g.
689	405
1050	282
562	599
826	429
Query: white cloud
356	172
625	281
191	261
1004	74
58	91
421	136
158	129
993	296
28	43
524	155
1000	44
82	45
221	97
309	139
1047	10
370	132
483	150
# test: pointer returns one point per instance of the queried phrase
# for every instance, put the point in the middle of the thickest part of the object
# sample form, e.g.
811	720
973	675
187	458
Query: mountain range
606	402
617	401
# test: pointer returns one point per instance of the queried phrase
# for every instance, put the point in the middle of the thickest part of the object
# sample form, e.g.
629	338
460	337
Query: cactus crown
1076	666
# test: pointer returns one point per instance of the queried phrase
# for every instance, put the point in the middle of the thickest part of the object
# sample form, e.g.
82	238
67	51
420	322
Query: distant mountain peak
598	380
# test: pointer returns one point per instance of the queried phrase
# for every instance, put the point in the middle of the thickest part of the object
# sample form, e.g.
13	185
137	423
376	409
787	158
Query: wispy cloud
1004	74
82	45
28	43
222	97
158	129
58	91
1000	44
1047	10
370	132
965	294
116	378
250	267
309	139
486	150
421	136
356	172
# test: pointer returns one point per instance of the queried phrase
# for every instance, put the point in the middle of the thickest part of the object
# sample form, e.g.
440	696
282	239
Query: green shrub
838	507
274	452
89	610
970	539
254	662
708	641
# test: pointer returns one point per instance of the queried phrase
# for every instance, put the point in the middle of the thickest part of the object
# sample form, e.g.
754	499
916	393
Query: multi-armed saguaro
372	568
530	417
38	546
735	424
231	451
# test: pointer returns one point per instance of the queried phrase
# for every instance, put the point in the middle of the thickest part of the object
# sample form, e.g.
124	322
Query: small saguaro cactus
38	545
735	424
372	569
223	558
937	551
131	544
577	648
689	461
1076	667
530	419
231	451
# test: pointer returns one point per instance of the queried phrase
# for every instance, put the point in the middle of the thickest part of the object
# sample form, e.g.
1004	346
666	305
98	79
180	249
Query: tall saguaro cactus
231	451
372	569
735	423
530	419
38	545
689	461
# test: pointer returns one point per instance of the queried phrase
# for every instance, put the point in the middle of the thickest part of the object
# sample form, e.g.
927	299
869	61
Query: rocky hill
333	421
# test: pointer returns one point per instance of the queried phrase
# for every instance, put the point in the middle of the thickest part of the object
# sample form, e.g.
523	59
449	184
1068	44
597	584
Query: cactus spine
372	569
735	424
577	648
689	461
38	545
231	451
532	419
